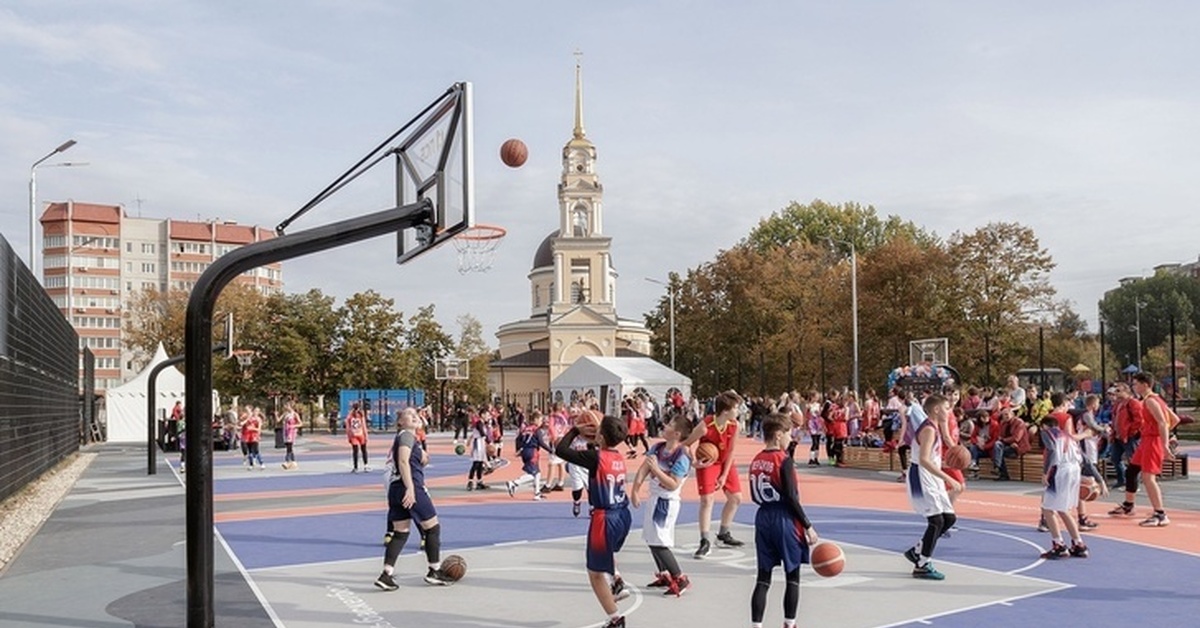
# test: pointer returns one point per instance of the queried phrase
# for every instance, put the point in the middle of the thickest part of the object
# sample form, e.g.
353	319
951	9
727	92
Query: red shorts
957	474
1149	455
358	440
706	479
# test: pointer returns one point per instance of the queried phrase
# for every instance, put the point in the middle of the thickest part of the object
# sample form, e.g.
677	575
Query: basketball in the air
460	449
707	452
513	153
827	559
454	567
1088	489
957	457
588	422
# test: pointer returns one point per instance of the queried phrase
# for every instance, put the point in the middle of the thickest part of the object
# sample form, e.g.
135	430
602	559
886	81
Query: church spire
579	132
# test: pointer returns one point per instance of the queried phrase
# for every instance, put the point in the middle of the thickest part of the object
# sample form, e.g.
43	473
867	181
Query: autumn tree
369	344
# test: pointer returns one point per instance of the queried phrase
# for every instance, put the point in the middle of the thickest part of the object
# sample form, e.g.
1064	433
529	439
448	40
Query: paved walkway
300	548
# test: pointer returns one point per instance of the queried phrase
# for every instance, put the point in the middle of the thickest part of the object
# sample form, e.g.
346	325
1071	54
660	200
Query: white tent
126	404
610	379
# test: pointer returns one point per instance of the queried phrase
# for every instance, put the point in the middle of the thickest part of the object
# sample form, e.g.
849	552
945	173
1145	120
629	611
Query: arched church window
580	222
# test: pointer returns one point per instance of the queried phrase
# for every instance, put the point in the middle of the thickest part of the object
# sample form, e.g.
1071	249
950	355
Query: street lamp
33	199
853	301
671	297
1138	305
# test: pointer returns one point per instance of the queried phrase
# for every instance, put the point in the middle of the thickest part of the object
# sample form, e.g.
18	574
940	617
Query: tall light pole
33	200
671	298
853	302
1137	313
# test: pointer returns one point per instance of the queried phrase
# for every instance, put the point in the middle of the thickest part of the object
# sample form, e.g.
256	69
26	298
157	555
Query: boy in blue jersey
610	519
529	440
667	463
782	532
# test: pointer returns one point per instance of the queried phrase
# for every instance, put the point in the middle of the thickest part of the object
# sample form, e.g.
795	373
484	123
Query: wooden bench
1173	469
872	458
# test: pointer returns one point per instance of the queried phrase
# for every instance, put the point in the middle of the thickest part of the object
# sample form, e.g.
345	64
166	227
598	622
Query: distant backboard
451	368
435	160
934	350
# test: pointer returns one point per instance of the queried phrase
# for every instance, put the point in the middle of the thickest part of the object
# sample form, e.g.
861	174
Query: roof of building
530	359
83	212
545	252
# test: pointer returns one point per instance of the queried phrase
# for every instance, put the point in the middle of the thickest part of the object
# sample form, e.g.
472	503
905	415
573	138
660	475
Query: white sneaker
366	468
538	497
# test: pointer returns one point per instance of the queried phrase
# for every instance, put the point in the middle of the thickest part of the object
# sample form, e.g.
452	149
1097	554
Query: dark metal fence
39	372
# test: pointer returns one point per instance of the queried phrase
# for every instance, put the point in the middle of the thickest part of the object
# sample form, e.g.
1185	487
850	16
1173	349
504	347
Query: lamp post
853	302
1137	327
33	199
671	298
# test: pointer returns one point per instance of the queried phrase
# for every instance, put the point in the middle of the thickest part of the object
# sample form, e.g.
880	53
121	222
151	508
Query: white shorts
556	460
1062	495
927	492
579	477
658	524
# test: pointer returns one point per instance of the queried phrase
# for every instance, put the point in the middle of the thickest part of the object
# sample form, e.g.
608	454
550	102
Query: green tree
472	347
369	342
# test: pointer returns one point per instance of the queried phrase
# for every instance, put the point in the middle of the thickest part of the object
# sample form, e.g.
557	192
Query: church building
573	288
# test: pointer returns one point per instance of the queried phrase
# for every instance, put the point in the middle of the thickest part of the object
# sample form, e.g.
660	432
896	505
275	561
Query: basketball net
477	246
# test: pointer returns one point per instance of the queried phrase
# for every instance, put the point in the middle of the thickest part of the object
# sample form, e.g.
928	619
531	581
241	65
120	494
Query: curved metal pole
151	406
198	367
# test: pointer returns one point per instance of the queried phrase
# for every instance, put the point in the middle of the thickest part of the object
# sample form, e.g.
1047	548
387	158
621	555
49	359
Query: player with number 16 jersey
780	522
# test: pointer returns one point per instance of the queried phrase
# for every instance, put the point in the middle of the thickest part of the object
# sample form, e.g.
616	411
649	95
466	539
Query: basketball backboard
451	368
435	160
932	350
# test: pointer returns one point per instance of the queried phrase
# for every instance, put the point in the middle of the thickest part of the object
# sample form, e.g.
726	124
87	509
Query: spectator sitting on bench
1013	442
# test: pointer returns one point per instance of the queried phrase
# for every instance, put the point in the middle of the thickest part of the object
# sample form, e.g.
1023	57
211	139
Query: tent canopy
1080	368
125	405
611	379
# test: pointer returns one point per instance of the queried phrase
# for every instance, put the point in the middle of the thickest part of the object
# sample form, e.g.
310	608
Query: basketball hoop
244	357
476	247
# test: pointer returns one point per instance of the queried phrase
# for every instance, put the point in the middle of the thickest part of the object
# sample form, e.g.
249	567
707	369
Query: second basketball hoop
477	246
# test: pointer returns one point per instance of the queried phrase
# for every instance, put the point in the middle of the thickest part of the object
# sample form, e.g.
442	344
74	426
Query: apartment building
95	259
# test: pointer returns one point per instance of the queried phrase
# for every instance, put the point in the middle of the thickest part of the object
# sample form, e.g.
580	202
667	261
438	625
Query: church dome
545	252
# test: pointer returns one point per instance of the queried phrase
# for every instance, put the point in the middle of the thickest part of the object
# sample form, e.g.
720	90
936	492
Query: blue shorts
779	538
422	510
606	537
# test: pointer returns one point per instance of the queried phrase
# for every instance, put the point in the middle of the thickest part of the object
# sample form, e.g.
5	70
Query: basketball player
528	441
668	463
610	519
720	429
407	500
560	422
251	433
579	475
777	524
1061	481
1152	450
291	426
356	434
927	487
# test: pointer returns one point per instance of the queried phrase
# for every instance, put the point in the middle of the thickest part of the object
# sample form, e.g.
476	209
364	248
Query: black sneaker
557	488
470	486
619	591
437	578
482	487
386	582
1056	551
1085	523
704	550
911	555
1078	550
662	580
545	490
726	538
575	509
616	623
1122	510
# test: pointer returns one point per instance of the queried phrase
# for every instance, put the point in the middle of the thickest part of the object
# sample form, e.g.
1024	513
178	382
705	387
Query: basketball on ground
827	559
707	452
588	422
1088	489
957	457
514	153
460	449
454	567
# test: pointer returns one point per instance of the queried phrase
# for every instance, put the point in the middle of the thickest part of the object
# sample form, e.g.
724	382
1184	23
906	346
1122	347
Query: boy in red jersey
610	519
720	429
782	532
356	434
1152	450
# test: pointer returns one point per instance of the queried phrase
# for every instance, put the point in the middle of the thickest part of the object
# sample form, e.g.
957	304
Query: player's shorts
927	492
422	510
579	477
779	538
1149	455
1062	492
358	440
706	479
554	459
606	537
957	474
658	523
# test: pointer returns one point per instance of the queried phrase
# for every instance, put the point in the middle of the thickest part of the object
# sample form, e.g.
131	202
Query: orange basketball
1088	490
454	567
827	559
957	457
513	153
588	422
707	452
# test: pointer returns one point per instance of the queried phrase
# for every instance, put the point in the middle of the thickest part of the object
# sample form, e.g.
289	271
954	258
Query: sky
1077	119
